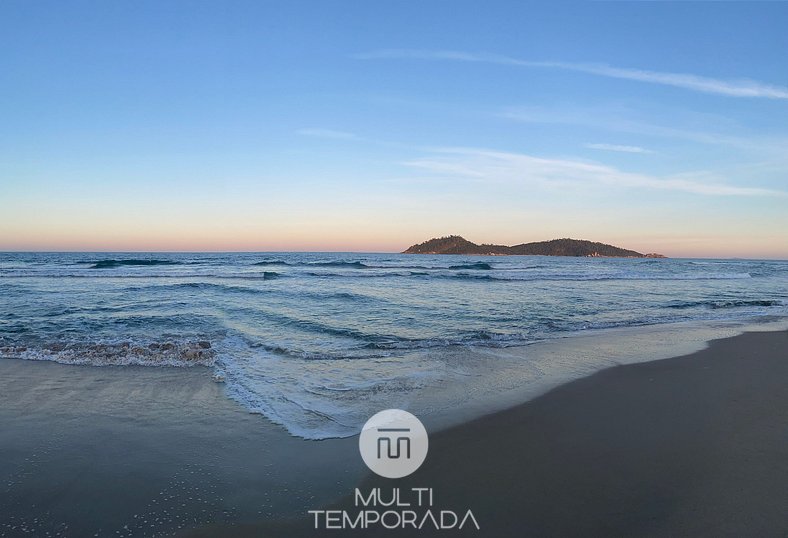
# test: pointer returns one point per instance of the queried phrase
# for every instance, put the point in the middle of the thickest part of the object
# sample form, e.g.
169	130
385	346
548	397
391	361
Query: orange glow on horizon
673	248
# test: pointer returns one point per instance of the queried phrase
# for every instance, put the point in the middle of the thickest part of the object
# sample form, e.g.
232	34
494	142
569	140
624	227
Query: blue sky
658	126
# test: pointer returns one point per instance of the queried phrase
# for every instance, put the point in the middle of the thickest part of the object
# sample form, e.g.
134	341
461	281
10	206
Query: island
454	244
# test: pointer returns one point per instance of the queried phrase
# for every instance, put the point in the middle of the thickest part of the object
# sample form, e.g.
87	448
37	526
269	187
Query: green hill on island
454	244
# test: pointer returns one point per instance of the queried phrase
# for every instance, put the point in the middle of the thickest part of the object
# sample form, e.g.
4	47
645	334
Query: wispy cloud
327	133
618	148
731	88
489	165
618	120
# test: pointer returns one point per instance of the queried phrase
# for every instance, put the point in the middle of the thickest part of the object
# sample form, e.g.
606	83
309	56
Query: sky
370	126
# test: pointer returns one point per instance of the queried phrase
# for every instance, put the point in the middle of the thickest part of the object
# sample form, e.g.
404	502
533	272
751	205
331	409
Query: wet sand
689	446
139	451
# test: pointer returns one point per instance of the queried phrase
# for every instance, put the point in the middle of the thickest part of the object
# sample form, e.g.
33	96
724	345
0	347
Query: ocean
317	342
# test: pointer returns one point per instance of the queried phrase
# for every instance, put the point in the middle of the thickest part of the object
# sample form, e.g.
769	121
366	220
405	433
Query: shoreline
506	376
521	373
693	445
197	462
503	377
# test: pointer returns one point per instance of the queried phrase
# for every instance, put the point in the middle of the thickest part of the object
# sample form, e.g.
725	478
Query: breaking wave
109	264
271	262
350	265
478	266
117	353
714	305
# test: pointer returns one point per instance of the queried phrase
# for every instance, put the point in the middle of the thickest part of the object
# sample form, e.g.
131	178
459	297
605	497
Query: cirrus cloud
618	148
479	164
730	88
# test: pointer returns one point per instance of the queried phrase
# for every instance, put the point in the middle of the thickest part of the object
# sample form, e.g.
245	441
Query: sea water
317	342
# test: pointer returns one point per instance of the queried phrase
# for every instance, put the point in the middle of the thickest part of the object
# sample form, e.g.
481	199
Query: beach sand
140	451
688	446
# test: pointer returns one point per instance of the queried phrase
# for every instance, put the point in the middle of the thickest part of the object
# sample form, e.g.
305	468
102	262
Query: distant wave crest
109	264
351	265
272	262
597	277
478	266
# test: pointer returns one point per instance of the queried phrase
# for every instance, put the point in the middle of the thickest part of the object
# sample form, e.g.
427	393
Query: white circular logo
393	443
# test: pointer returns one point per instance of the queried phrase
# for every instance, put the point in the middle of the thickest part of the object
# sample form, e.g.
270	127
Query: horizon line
744	258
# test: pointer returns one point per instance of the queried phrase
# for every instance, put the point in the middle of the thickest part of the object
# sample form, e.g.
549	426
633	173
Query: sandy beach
136	451
689	446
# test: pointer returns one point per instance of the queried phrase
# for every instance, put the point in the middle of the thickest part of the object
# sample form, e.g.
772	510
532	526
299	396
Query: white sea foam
117	353
333	398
